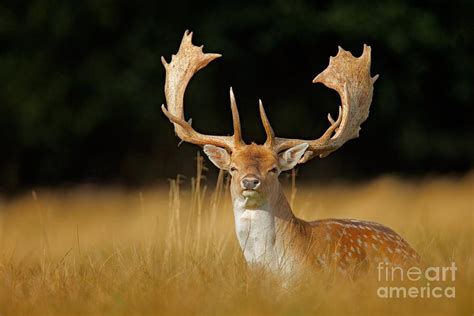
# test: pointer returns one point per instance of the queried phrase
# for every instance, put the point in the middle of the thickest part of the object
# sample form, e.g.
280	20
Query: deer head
255	168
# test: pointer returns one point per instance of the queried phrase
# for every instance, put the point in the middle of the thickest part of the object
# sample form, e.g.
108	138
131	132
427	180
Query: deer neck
262	230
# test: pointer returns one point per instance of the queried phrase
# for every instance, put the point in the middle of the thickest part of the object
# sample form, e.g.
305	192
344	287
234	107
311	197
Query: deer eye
273	170
232	169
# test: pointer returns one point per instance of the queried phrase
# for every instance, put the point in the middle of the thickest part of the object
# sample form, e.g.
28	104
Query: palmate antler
348	75
189	60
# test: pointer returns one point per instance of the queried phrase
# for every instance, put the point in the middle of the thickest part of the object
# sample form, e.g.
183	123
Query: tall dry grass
172	250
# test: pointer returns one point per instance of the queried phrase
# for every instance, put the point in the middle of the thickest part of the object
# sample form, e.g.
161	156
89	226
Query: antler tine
266	125
350	77
188	60
238	141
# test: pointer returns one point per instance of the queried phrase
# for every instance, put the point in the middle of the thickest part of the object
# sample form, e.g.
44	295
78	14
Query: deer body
270	235
273	237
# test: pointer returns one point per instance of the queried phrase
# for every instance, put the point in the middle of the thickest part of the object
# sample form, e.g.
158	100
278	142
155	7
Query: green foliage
82	83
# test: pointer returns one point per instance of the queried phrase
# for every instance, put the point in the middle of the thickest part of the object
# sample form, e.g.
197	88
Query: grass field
172	250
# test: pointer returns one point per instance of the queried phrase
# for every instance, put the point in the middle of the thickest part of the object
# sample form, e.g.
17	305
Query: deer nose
250	183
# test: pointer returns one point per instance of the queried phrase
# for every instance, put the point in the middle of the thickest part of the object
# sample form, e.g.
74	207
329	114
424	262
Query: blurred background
82	84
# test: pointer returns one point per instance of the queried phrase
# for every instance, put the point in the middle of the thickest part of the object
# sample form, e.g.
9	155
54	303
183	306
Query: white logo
439	281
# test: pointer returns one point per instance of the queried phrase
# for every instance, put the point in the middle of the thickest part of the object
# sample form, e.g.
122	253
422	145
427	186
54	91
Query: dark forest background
82	84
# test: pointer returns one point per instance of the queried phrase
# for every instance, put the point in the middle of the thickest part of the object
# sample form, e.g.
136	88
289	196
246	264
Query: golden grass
172	250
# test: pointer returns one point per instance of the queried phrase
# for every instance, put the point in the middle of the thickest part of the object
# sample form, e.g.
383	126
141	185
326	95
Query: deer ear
290	157
219	156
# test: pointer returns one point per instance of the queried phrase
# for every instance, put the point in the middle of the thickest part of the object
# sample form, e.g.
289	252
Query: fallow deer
270	235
